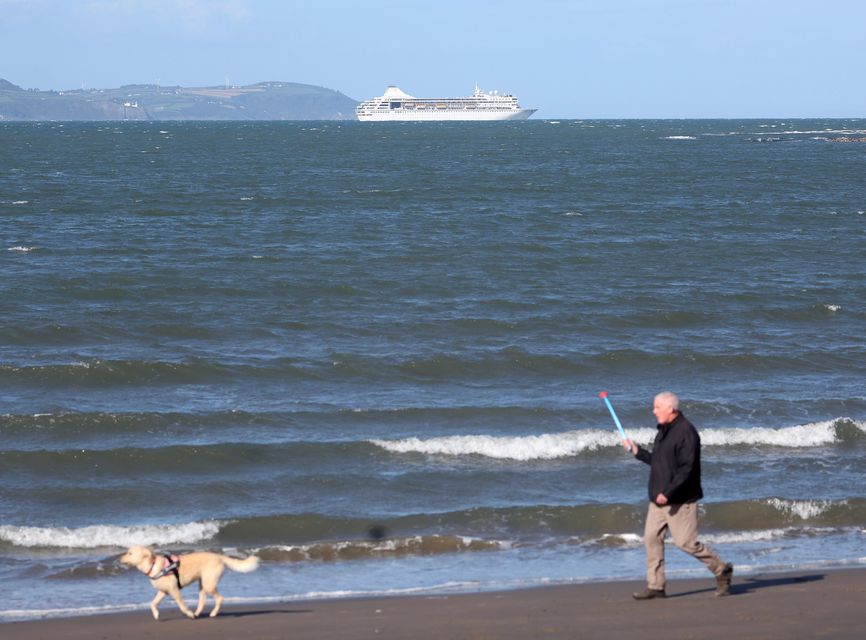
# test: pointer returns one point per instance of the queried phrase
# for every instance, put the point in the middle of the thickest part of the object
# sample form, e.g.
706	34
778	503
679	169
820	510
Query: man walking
674	491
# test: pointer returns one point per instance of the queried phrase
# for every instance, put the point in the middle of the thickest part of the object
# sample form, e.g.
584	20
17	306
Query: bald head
666	407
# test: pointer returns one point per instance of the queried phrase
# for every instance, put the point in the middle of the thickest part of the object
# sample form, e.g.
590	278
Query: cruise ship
398	105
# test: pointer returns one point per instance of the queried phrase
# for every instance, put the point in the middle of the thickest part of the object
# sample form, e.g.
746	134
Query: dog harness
170	564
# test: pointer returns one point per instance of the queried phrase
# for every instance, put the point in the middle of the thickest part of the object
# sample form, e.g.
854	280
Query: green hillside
262	101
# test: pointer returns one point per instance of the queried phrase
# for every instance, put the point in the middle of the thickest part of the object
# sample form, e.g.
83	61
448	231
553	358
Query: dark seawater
371	353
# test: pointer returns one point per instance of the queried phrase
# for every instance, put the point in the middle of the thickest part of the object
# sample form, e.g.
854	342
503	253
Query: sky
567	58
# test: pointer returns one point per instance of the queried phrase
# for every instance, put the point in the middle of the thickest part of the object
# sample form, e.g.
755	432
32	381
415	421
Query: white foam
832	307
392	545
803	509
807	435
541	447
109	535
571	443
627	538
745	536
733	537
22	249
679	138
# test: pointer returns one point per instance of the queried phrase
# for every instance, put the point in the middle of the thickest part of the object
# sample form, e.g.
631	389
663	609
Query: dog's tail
243	566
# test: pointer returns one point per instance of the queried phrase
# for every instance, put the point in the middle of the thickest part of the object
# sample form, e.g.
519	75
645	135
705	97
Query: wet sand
807	604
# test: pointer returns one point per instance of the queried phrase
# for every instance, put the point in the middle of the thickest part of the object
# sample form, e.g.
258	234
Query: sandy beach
807	604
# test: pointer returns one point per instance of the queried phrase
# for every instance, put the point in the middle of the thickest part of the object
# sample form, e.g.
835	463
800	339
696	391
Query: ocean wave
217	461
804	509
422	545
109	536
101	430
817	131
295	537
108	373
800	436
98	569
571	443
43	457
441	366
112	372
536	521
680	138
541	447
326	551
637	540
21	249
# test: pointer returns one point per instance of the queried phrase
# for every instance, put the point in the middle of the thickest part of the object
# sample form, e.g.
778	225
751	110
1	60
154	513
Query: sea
371	353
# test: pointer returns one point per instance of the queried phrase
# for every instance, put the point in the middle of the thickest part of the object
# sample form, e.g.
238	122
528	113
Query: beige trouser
682	520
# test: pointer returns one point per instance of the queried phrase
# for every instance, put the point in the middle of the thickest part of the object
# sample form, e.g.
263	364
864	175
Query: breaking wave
104	535
542	447
571	443
392	547
318	537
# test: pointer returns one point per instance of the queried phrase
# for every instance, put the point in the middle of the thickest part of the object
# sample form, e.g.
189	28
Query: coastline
770	605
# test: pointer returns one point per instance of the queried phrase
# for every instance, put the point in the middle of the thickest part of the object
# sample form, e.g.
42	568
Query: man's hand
661	499
629	445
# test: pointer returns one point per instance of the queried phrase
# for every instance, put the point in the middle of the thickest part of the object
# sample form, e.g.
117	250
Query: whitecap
624	538
541	447
679	138
571	443
806	435
803	509
734	537
22	249
106	535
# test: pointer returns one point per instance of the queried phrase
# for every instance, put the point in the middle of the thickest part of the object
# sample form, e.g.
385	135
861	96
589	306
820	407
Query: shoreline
811	603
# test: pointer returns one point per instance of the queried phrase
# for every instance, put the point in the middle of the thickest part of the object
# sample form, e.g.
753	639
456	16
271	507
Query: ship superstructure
398	105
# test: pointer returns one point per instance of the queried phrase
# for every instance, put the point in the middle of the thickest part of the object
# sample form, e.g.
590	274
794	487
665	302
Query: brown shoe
649	594
723	580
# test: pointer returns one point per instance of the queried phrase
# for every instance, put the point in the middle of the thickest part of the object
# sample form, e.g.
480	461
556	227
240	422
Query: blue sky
568	58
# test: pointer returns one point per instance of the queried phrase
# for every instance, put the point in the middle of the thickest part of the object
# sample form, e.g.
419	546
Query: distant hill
262	101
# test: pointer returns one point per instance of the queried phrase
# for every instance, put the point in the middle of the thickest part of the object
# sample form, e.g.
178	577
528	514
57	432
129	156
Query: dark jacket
675	462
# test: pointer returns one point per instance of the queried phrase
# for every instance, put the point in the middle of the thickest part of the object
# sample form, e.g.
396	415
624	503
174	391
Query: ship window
395	105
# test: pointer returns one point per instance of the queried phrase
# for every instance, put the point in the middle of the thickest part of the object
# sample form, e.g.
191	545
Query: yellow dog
169	574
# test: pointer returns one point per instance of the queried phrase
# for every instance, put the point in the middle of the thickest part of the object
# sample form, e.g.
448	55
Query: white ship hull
397	106
432	115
